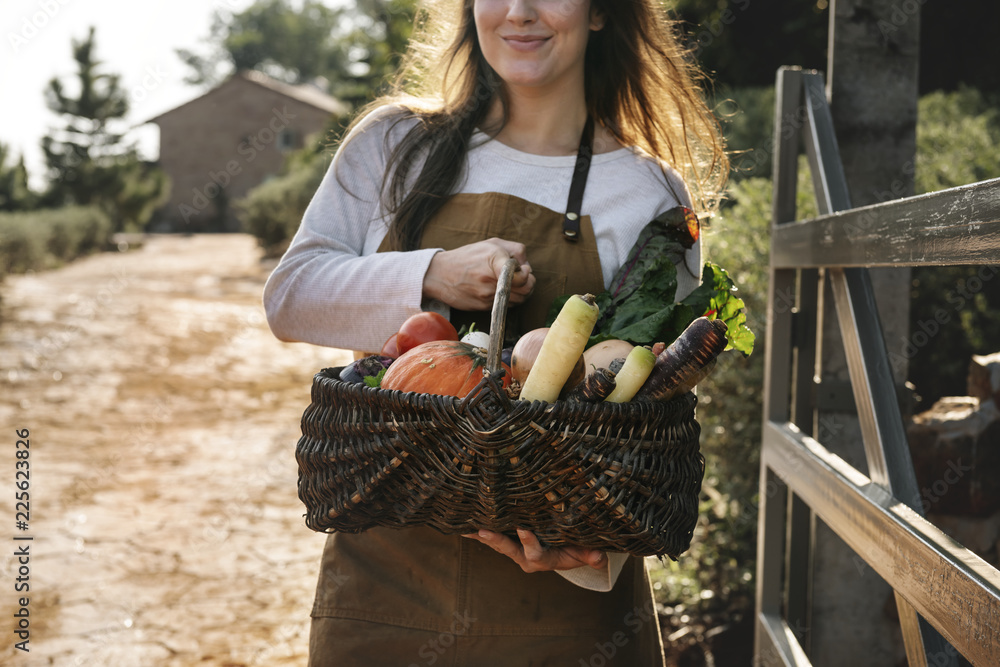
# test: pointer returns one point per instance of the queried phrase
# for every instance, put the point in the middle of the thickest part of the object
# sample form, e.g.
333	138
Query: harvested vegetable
422	328
561	350
389	348
443	367
594	388
640	304
525	351
638	365
602	354
690	383
684	359
369	367
477	339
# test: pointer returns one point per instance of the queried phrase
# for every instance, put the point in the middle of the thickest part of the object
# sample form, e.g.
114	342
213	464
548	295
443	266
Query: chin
531	79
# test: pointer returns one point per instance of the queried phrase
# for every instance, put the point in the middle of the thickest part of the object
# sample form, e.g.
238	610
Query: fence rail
955	226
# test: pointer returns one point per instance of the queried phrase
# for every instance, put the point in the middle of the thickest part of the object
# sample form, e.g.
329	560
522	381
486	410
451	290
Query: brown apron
416	597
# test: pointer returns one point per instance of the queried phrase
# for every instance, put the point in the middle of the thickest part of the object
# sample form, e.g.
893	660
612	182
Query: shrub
36	240
958	142
747	119
273	210
22	244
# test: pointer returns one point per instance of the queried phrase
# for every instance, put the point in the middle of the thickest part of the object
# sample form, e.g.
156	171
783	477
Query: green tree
15	195
958	142
88	159
294	45
383	28
354	48
958	139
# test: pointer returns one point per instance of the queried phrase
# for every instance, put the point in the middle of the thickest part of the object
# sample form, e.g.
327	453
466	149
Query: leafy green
657	252
724	305
375	381
639	306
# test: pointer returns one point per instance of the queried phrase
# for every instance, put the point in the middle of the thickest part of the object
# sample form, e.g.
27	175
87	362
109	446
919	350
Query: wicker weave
620	477
613	476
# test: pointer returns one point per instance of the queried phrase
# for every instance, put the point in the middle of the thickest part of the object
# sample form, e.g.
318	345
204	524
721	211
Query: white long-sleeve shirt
332	288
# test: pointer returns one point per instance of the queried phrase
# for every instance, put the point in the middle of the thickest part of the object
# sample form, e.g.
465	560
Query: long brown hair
639	83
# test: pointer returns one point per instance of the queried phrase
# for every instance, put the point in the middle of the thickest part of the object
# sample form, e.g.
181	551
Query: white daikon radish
638	365
561	349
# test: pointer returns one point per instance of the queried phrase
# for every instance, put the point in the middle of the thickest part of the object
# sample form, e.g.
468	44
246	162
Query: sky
135	39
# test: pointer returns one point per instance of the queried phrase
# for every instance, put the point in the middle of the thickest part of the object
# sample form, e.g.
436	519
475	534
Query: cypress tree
15	195
88	160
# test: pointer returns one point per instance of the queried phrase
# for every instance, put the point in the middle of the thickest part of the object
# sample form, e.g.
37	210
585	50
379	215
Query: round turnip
605	352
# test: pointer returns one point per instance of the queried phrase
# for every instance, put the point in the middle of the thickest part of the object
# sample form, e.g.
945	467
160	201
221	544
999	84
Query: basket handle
499	319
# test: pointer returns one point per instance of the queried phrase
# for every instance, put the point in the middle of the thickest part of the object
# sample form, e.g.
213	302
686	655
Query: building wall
219	146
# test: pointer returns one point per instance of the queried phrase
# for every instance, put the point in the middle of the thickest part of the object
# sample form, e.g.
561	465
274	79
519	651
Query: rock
955	448
984	378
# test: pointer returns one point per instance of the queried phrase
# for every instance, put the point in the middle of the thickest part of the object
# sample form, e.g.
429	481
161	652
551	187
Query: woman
530	134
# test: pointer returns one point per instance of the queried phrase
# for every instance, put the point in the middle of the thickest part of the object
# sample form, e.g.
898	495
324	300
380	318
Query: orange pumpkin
443	367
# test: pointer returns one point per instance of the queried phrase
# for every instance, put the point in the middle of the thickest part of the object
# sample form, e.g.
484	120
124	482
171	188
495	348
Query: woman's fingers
533	549
531	556
466	277
523	281
592	557
563	558
501	544
522	284
513	248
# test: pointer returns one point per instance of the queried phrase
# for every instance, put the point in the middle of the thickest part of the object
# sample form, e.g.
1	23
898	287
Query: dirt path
163	417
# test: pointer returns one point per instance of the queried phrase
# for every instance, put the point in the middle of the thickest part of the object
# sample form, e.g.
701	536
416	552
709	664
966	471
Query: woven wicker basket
618	477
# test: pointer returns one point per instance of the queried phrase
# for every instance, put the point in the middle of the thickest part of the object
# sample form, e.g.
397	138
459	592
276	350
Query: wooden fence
948	598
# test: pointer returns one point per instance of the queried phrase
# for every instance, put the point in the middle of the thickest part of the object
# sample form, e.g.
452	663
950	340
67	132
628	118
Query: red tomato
424	328
390	349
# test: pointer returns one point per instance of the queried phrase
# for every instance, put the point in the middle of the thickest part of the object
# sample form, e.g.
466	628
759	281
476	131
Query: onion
477	339
525	351
522	357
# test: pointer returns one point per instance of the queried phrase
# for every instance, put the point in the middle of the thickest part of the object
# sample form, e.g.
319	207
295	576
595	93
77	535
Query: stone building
220	145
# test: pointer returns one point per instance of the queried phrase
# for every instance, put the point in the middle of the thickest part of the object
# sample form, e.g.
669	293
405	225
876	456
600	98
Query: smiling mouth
524	42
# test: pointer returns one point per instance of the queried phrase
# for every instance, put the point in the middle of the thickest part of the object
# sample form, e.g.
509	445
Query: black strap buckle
571	221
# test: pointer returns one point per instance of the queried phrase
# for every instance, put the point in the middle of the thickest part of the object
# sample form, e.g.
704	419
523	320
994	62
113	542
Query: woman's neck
542	125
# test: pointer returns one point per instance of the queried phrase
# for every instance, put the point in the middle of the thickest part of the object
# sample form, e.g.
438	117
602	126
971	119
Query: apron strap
571	221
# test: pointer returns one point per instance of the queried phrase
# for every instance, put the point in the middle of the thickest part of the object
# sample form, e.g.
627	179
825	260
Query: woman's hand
466	278
533	557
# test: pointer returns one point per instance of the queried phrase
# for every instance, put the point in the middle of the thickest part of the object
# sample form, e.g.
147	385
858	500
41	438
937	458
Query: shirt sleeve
601	580
331	287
